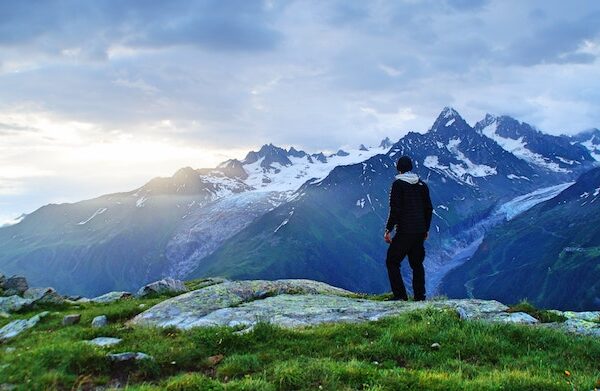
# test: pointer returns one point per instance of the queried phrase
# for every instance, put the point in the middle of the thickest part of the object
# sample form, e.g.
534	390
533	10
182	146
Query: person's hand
426	235
386	237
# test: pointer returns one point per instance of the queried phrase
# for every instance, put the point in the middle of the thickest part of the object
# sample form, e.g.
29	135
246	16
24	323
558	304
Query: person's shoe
419	298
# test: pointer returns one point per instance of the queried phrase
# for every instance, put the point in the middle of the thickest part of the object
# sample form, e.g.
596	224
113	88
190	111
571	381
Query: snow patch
513	176
284	222
450	122
566	161
141	201
96	213
519	148
522	203
12	221
473	169
289	178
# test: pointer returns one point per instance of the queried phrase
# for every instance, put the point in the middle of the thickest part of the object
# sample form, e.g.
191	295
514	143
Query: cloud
212	79
87	30
556	42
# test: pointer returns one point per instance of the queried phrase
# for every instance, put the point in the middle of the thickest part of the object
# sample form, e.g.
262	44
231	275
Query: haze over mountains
286	213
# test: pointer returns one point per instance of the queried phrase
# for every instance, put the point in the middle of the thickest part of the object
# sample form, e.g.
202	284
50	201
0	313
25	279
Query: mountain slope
120	241
549	254
286	213
553	153
331	231
590	139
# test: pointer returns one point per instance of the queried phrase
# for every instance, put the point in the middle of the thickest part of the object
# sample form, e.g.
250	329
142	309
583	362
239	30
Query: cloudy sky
100	96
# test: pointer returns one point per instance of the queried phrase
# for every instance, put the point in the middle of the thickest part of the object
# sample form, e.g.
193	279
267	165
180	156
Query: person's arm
394	207
428	207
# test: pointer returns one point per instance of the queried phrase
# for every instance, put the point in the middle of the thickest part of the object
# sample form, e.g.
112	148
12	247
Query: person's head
404	164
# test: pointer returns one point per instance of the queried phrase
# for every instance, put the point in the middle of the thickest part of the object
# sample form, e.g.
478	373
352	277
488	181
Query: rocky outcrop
16	327
296	303
13	303
99	321
167	285
104	341
187	310
128	357
43	295
110	297
15	285
72	319
586	323
15	294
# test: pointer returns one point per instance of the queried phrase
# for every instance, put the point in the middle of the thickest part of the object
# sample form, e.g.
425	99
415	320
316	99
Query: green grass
391	354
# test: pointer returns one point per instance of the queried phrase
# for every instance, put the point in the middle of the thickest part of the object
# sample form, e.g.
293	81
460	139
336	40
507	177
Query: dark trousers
401	246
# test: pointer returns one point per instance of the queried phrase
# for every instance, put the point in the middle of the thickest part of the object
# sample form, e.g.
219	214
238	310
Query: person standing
410	214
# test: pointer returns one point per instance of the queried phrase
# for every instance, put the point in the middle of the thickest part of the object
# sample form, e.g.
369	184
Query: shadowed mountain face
550	254
287	214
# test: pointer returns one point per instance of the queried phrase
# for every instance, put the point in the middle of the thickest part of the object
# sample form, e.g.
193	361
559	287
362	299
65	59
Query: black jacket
410	207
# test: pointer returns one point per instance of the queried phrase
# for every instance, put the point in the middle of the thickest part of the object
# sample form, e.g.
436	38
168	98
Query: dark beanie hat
404	164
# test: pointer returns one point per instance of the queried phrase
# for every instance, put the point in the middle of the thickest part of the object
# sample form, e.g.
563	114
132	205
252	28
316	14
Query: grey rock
589	316
7	387
515	317
580	326
111	297
436	346
298	303
462	313
4	315
10	349
104	341
99	321
187	308
74	297
43	295
167	285
129	356
16	327
72	319
14	303
15	285
2	281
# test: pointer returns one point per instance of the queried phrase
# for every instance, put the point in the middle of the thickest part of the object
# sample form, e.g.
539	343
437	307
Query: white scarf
408	177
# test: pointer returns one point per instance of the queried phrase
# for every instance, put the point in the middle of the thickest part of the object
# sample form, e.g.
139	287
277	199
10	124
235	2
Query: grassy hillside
392	354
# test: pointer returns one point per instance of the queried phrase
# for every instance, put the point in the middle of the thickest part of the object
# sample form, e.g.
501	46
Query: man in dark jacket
410	214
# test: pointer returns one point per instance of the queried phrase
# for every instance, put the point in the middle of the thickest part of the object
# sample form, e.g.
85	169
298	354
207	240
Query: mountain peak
449	112
385	143
362	147
295	153
448	118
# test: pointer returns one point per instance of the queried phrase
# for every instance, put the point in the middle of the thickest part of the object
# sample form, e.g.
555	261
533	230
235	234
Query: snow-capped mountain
272	175
330	230
122	240
286	213
589	139
553	153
